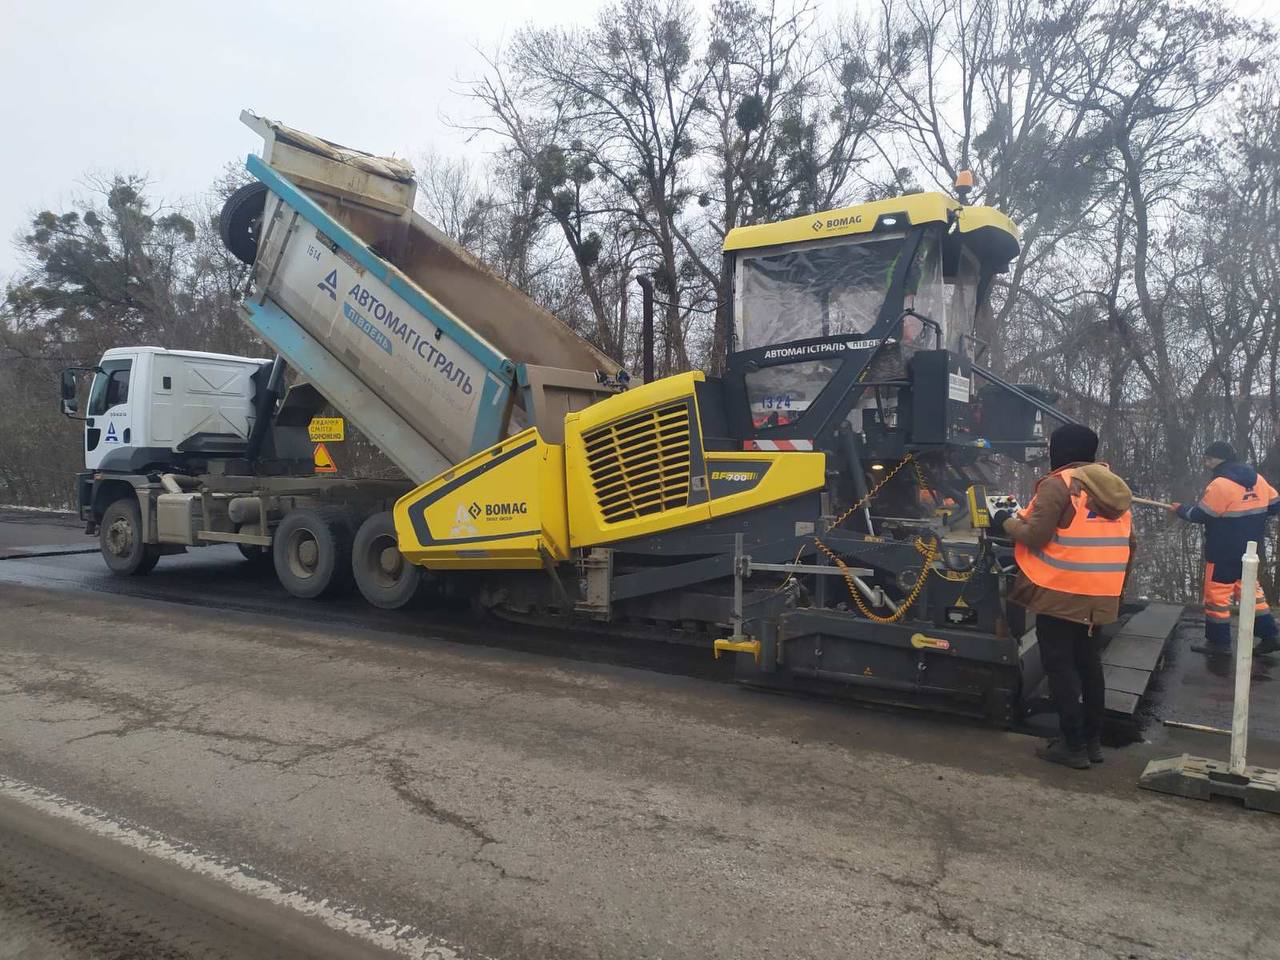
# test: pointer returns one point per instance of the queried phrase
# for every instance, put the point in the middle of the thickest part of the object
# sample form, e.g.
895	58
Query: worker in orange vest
1234	509
1073	544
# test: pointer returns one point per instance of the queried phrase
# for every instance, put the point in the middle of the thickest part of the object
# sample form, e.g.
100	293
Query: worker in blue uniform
1234	509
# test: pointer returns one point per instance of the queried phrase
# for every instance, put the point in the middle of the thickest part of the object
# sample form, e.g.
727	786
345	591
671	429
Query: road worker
1234	508
1073	544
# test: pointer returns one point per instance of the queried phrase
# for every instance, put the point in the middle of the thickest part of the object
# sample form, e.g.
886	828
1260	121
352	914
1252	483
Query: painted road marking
383	932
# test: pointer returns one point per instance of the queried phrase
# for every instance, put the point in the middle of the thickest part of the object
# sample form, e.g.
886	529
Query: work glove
997	521
1174	508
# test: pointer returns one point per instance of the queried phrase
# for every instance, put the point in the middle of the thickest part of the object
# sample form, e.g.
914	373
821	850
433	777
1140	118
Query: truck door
108	426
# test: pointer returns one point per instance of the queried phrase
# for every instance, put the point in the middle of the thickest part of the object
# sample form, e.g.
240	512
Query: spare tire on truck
240	222
120	539
385	578
311	550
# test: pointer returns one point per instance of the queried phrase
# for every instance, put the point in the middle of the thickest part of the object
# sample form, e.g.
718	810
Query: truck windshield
818	289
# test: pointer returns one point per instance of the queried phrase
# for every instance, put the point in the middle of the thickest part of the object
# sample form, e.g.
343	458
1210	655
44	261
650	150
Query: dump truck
427	352
819	511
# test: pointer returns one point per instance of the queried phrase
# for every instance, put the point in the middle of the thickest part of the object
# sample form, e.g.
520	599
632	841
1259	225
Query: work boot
1094	749
1056	751
1266	645
1212	649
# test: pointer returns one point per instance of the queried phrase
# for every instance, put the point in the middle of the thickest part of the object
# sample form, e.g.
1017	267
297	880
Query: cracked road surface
523	806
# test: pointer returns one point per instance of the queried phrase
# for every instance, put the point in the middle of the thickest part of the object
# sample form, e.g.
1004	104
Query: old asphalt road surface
76	884
195	781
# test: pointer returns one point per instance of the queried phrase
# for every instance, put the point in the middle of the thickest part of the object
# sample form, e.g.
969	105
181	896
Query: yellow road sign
323	461
327	429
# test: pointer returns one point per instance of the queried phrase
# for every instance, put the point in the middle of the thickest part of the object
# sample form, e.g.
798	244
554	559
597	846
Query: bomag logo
734	476
513	508
834	223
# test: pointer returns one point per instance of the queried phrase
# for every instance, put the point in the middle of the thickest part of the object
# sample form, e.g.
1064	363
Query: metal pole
1244	659
737	586
646	329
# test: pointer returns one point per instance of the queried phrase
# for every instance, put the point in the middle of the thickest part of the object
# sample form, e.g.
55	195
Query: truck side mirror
70	405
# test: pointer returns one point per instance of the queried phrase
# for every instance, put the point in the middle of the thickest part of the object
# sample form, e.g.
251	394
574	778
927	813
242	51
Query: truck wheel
241	219
312	552
385	578
120	539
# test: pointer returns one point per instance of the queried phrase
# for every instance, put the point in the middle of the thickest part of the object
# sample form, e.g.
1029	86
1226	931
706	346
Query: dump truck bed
373	198
428	351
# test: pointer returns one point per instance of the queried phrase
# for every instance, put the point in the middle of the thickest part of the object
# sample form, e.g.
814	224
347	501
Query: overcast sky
157	87
105	86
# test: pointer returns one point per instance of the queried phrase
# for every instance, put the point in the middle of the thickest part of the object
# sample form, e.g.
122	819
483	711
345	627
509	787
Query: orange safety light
964	180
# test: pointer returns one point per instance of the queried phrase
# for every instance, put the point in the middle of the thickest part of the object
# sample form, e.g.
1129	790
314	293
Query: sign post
1244	659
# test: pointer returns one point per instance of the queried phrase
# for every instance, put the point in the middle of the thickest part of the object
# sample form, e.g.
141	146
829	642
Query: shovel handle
1143	501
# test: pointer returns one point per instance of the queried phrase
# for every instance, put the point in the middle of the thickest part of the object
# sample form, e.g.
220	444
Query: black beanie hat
1072	443
1221	450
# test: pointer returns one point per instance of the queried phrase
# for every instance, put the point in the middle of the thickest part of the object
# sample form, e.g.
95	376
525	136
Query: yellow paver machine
819	511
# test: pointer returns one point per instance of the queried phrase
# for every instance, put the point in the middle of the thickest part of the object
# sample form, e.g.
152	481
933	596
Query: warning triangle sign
323	461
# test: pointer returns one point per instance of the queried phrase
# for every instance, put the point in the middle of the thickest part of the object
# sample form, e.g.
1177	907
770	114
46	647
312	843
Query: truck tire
385	578
241	219
311	550
120	539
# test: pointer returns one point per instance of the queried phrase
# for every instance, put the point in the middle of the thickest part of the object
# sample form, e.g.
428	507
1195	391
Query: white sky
157	87
106	86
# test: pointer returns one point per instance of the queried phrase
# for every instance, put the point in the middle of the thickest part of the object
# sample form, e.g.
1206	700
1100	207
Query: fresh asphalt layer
484	797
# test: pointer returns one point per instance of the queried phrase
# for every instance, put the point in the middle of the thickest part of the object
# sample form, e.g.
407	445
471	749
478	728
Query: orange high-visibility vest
1087	558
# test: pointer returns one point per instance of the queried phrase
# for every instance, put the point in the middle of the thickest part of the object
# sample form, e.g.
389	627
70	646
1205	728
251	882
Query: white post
1244	658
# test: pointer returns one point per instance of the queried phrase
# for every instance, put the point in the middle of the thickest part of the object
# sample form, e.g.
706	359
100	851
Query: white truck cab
149	407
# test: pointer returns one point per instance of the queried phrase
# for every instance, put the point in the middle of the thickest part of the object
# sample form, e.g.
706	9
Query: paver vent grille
640	464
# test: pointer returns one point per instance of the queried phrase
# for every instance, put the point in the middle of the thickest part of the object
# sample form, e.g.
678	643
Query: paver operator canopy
836	275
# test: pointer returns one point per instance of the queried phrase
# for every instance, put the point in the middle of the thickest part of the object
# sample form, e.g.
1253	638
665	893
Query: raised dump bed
431	354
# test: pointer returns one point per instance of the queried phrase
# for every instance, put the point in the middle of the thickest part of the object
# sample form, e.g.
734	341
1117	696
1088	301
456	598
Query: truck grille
640	465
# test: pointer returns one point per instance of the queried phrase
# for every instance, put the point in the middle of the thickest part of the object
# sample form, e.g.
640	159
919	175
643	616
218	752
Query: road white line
383	932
